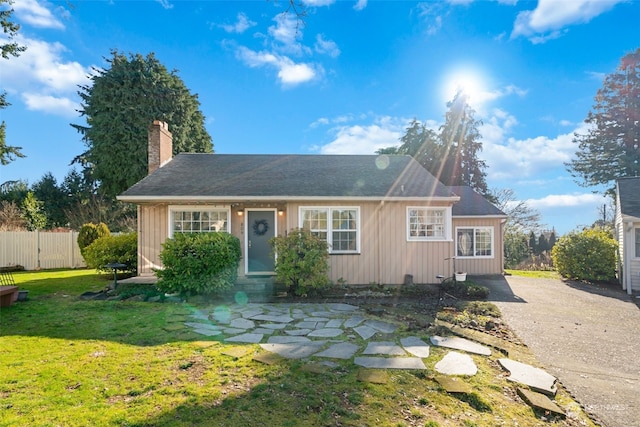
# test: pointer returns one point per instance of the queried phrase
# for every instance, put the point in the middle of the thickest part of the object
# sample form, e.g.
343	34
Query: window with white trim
186	219
428	223
474	242
339	226
637	236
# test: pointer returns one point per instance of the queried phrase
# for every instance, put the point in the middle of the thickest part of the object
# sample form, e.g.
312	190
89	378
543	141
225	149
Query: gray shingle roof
629	193
248	176
472	203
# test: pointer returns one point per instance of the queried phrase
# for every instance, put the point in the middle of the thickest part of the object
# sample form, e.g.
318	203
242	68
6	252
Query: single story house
384	217
627	228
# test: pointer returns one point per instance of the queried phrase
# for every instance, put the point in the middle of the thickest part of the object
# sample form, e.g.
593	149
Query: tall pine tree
611	147
461	144
119	106
451	155
8	48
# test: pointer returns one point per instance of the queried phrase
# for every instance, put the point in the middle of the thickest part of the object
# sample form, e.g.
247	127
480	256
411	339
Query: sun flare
468	80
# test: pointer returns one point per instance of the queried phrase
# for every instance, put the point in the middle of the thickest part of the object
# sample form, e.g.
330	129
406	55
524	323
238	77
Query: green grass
66	361
543	274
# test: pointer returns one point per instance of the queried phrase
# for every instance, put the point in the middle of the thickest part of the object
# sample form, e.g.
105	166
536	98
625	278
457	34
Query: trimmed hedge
587	255
121	249
199	263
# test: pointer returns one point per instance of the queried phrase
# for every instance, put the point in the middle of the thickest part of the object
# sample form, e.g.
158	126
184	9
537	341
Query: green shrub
302	261
466	290
122	249
199	263
89	233
586	255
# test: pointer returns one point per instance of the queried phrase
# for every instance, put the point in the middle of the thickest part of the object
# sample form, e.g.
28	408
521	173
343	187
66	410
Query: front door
259	229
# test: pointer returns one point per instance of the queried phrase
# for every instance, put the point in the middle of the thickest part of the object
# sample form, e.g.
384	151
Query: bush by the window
89	233
303	261
587	255
121	249
199	263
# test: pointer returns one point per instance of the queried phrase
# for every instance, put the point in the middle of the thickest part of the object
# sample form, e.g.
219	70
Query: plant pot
461	277
22	295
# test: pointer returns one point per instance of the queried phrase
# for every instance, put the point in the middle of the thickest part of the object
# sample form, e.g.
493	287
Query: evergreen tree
33	212
54	200
460	141
552	239
611	147
543	244
14	191
8	48
119	106
533	245
451	155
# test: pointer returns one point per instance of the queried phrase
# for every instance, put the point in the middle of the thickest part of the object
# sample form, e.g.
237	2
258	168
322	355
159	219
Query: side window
425	223
474	242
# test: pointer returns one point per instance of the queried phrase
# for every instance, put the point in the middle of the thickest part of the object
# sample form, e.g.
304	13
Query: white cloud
568	200
366	139
510	158
242	24
289	73
326	46
318	3
50	104
550	17
287	31
322	121
360	5
35	14
165	4
431	14
44	77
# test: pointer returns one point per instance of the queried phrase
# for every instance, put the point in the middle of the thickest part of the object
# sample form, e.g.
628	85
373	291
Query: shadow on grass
287	396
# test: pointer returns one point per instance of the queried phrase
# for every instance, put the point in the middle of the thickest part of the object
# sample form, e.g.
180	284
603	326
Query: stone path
343	332
330	331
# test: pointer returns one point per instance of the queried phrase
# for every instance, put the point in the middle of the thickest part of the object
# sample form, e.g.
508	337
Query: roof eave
147	199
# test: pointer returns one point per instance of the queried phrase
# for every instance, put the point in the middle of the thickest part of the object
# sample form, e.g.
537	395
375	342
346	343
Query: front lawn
65	361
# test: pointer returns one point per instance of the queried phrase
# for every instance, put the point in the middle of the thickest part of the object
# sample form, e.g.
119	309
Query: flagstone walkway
327	331
343	332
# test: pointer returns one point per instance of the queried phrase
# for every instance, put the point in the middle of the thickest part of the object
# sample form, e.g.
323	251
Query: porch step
256	288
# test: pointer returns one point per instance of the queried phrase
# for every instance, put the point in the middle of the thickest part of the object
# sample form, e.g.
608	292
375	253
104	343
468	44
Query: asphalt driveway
587	336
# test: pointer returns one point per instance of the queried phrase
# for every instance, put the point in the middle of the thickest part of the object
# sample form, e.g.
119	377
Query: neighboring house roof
629	196
473	204
204	177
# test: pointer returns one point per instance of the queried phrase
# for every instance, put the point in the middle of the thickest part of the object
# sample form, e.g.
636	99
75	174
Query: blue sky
347	80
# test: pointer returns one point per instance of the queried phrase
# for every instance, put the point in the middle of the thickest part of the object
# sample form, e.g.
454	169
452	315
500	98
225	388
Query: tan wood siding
152	232
385	254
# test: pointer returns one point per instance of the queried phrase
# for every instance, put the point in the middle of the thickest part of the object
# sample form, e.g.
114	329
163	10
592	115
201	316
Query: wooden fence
40	249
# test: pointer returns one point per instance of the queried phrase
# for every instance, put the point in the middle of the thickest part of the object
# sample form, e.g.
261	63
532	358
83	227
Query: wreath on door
260	227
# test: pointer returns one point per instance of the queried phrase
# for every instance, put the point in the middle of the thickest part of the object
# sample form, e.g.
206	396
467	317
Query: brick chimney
160	145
